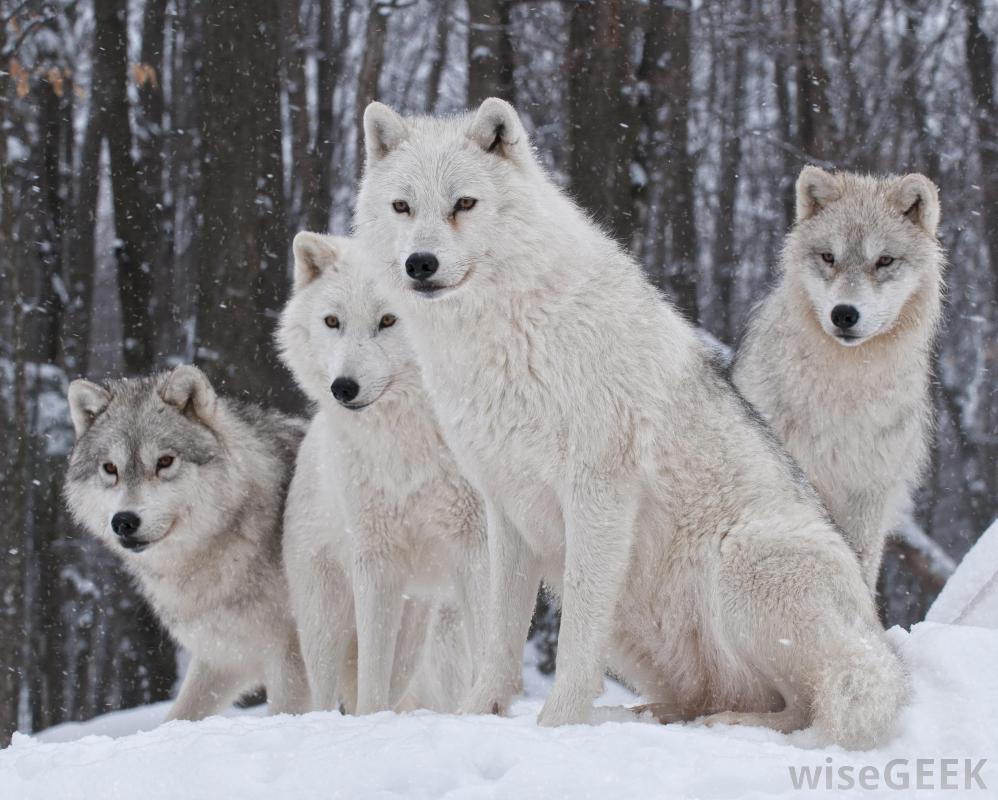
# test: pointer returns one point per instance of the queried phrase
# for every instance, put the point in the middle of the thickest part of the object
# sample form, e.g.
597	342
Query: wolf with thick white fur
188	489
691	556
837	357
377	511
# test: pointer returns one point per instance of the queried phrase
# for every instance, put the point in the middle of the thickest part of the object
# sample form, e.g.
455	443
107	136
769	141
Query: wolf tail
859	697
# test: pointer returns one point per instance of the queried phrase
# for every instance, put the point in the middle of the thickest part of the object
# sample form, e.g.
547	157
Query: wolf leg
206	690
514	578
790	719
287	681
323	606
598	534
378	603
410	648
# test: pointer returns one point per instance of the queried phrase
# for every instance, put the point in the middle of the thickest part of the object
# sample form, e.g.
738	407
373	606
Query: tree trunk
490	52
602	112
242	242
375	33
813	113
134	216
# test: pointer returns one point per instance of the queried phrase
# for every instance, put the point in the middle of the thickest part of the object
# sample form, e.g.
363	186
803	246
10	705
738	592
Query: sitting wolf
691	556
188	488
381	530
837	357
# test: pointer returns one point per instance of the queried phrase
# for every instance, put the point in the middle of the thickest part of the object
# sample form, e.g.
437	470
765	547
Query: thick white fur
690	556
383	537
857	415
213	572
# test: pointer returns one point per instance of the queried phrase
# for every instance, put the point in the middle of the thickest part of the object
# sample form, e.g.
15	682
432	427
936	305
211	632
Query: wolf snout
345	390
421	266
125	525
844	316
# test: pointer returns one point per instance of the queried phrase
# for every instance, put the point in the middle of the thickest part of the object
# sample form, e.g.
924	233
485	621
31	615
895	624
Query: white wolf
691	556
377	510
188	488
836	358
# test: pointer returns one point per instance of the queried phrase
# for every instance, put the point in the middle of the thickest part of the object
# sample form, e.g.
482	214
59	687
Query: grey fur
856	414
211	525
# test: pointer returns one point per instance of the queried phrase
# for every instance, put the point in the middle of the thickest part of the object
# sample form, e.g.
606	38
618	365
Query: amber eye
332	322
164	462
387	321
465	204
401	207
109	468
828	258
885	261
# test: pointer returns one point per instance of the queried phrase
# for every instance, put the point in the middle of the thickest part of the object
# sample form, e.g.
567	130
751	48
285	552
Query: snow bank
426	755
970	596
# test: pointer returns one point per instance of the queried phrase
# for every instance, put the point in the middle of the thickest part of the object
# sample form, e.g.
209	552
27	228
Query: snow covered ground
953	714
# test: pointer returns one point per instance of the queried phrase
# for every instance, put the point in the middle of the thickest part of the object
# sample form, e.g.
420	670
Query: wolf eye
164	462
332	321
387	321
885	261
465	204
828	258
401	207
109	468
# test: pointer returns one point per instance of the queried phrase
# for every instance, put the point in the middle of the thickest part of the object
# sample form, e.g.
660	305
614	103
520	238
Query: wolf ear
188	389
384	130
314	254
815	190
917	198
86	401
497	128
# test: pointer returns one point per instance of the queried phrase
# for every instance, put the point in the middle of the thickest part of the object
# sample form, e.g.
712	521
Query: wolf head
440	194
863	248
343	343
144	450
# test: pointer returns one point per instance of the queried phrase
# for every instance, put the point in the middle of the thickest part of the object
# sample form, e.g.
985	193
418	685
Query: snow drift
424	755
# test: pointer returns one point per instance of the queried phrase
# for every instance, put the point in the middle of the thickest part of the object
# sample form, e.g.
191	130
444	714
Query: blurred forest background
157	156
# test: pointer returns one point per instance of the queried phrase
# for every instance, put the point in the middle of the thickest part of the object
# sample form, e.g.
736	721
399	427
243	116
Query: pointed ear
188	389
314	253
384	130
86	401
917	198
497	129
815	190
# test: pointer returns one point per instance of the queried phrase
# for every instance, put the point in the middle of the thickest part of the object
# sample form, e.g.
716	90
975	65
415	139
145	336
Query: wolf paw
565	708
486	699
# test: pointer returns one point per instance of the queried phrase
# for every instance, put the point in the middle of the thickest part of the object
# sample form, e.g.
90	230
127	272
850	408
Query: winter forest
157	157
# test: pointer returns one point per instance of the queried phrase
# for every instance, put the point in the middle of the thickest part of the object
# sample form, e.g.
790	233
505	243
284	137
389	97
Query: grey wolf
188	489
837	356
381	529
691	556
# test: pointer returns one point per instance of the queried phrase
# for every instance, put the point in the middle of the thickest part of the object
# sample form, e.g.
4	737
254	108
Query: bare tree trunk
330	66
602	112
813	113
490	51
439	56
242	240
375	33
663	151
134	216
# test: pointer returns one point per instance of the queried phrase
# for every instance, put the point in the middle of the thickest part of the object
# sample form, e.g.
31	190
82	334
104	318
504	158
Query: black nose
420	266
344	389
844	317
125	523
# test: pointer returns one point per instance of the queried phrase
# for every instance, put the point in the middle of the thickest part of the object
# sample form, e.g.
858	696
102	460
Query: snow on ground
953	714
970	596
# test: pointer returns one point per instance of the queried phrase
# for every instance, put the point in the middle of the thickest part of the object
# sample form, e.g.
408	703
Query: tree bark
490	52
